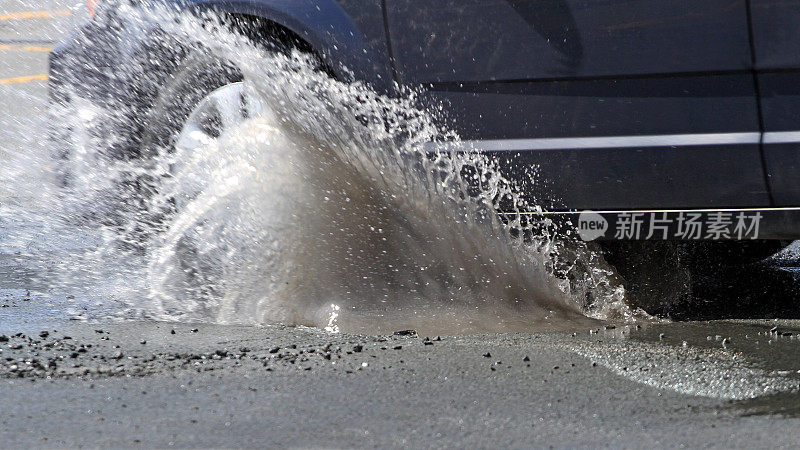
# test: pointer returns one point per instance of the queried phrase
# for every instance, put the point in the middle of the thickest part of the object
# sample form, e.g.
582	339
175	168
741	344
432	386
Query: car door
776	40
614	104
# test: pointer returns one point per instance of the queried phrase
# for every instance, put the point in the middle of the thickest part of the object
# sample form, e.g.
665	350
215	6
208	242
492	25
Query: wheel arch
319	27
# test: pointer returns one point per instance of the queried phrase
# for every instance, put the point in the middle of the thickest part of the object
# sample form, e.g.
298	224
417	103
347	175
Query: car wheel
203	98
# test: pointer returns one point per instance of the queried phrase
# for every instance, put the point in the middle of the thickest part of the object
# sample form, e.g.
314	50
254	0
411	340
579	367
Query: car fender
327	28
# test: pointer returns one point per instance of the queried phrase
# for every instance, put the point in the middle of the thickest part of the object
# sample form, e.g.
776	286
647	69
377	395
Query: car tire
194	79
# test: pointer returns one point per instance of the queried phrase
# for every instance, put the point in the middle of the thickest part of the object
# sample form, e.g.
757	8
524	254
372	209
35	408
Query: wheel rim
218	112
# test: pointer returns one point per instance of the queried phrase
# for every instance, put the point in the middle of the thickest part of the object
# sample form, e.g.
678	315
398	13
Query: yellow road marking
25	48
25	79
34	15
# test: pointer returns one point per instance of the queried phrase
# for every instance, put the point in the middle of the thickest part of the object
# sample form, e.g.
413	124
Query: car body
644	119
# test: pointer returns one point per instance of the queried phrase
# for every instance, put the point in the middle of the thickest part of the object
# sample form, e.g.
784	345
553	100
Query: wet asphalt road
28	29
138	384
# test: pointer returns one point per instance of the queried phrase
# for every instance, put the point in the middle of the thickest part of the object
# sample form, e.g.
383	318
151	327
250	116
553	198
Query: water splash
326	208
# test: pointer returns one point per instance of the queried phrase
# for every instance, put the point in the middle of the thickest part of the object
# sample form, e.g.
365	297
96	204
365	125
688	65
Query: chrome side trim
782	137
648	211
663	140
736	224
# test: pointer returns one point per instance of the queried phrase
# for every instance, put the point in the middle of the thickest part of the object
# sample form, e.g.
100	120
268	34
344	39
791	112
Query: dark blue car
647	119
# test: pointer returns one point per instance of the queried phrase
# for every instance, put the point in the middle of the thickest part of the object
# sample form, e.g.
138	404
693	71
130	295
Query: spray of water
323	207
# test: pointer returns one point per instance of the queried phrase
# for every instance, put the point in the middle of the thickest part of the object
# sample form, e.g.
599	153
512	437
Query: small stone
244	349
274	349
358	348
172	331
73	355
594	364
194	330
117	355
662	336
555	367
405	333
428	343
610	326
3	338
487	355
143	342
44	334
397	347
526	359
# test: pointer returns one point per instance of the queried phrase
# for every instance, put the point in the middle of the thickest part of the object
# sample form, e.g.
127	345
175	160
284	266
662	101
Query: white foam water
325	209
